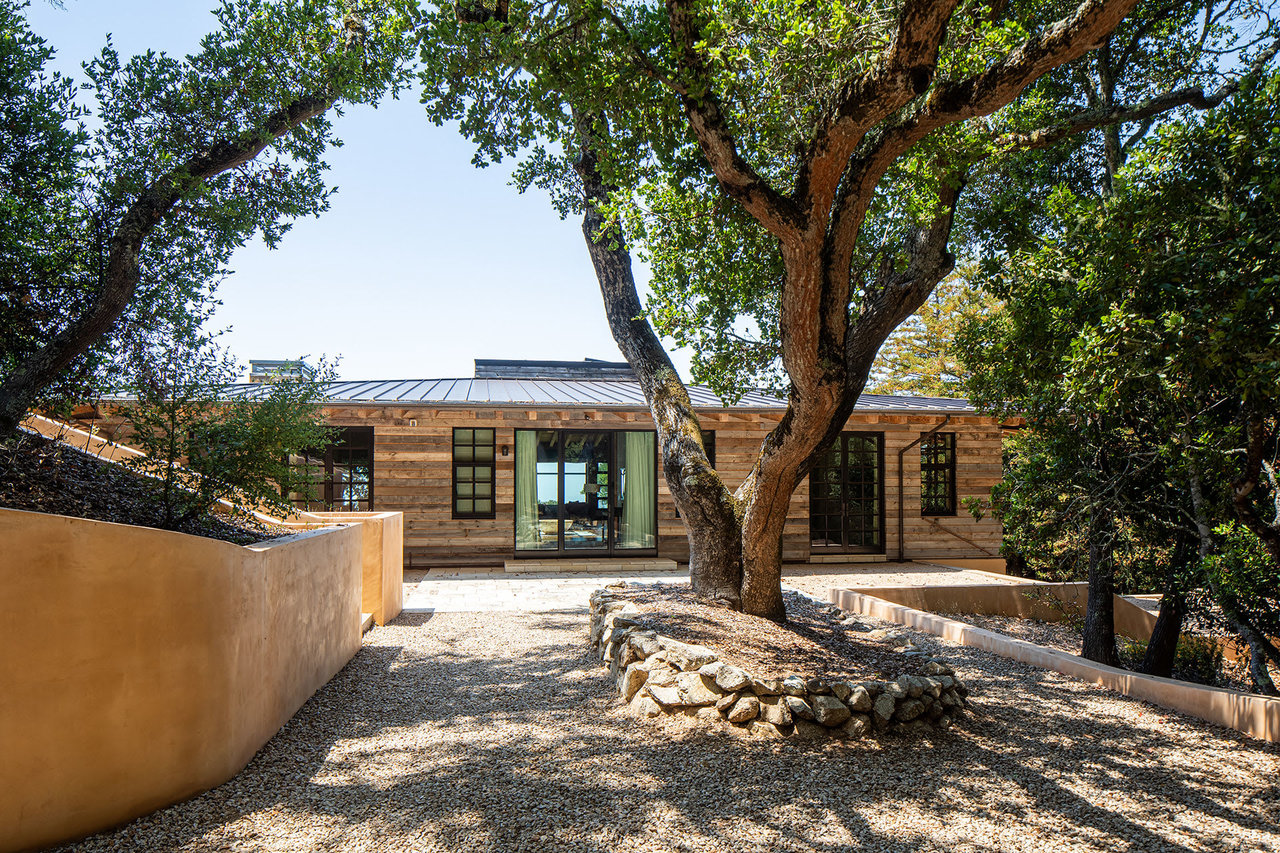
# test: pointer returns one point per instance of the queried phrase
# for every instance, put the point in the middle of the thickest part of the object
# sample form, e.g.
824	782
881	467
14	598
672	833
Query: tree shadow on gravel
500	732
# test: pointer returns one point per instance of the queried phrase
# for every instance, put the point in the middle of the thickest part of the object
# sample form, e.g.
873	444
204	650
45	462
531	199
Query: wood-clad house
539	459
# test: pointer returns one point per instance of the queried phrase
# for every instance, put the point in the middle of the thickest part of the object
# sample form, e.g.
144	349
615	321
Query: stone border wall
659	675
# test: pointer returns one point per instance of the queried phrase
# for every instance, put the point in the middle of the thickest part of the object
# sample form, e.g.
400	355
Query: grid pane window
938	474
846	509
340	475
473	474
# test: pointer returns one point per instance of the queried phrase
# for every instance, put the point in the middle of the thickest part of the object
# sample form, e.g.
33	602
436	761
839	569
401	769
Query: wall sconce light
504	450
412	422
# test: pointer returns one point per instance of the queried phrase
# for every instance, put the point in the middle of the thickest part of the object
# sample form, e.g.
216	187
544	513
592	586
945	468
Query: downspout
901	497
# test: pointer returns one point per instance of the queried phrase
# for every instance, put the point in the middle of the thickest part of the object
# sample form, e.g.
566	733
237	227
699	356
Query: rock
661	675
644	644
899	640
724	703
732	679
632	680
875	688
800	709
696	689
686	657
746	708
842	689
943	722
935	668
911	685
793	685
859	701
932	688
934	710
809	731
829	711
774	710
908	709
817	687
667	697
856	726
760	728
882	709
708	715
948	699
878	634
643	705
766	686
947	681
728	678
895	690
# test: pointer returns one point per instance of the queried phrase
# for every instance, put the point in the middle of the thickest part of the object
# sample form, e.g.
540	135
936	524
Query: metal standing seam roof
573	392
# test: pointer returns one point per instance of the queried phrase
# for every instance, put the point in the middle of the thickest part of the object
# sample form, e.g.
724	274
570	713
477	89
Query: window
473	473
341	474
938	474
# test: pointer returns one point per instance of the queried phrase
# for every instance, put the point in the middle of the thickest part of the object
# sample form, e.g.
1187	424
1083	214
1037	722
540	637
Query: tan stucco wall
1048	602
382	577
141	667
1256	716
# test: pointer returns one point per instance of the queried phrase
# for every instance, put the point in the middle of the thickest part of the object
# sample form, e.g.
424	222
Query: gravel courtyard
493	732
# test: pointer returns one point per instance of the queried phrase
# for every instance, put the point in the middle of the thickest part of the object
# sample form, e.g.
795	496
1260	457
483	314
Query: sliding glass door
586	492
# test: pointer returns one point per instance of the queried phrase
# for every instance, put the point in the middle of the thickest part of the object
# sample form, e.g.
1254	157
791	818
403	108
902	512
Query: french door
586	492
846	496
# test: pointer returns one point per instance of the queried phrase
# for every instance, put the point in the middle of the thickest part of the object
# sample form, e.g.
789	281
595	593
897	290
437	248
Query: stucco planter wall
141	667
657	675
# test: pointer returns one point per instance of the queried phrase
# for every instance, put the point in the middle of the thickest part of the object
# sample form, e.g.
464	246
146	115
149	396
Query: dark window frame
937	471
843	522
348	439
611	549
473	481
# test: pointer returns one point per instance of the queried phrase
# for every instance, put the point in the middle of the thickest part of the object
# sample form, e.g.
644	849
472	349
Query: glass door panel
846	495
586	490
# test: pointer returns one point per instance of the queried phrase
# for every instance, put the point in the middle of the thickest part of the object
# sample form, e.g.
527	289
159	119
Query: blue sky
423	262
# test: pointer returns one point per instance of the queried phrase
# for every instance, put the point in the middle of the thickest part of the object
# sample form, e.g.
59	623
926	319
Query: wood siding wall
413	475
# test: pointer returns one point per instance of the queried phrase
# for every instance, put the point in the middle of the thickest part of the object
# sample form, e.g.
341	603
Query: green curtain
527	531
640	483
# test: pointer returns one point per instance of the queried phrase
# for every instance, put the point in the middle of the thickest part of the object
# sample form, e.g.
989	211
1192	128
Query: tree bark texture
1099	619
1162	648
708	510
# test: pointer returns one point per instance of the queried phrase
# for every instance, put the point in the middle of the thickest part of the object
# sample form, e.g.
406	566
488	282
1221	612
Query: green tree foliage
163	169
791	172
920	356
205	444
1142	343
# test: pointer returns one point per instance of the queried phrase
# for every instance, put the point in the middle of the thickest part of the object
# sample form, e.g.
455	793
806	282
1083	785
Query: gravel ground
494	732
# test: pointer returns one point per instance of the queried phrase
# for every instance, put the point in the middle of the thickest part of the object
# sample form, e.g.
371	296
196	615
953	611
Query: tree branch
1088	119
775	211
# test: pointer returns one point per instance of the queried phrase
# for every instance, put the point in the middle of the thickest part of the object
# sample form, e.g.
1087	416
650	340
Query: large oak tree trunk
709	511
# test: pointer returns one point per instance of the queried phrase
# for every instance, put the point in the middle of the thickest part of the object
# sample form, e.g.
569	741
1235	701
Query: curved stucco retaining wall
140	666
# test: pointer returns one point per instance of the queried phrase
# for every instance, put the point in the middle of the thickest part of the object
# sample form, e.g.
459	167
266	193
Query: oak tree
793	174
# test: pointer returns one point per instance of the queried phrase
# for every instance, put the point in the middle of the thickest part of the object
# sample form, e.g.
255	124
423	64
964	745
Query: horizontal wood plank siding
412	474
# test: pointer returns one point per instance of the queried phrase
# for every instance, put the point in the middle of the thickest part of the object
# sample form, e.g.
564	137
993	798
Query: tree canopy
1142	343
125	206
793	174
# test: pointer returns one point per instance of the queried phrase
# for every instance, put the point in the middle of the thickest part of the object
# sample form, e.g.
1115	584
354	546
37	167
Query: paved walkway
450	591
